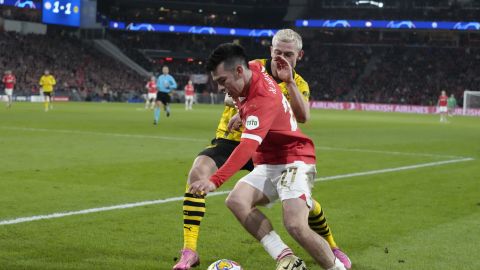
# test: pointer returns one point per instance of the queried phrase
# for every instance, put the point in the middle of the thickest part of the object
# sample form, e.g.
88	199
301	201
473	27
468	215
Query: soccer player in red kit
443	106
283	155
151	94
189	94
9	81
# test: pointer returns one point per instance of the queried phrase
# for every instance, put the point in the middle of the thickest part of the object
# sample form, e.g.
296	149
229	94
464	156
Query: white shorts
189	98
151	96
289	181
443	109
8	91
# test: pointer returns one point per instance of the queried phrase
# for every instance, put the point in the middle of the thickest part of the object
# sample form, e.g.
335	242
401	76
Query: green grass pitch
401	191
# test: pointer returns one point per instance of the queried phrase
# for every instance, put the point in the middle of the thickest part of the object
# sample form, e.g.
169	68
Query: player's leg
186	103
293	183
166	103
249	192
194	208
9	93
295	214
317	221
147	100
156	111
46	100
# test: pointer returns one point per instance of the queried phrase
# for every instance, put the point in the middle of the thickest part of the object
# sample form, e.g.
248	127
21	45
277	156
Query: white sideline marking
106	134
385	152
137	204
404	168
201	140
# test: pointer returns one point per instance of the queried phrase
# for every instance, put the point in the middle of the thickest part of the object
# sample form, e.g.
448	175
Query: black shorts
163	97
47	94
220	151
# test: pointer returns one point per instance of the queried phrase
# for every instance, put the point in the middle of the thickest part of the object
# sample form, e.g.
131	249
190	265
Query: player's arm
300	106
173	83
251	138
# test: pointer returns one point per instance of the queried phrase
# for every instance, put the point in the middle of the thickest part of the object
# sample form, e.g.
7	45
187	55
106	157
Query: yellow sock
46	105
318	223
193	212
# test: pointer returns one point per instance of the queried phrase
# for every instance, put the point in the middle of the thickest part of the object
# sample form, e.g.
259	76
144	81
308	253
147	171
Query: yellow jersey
229	112
47	82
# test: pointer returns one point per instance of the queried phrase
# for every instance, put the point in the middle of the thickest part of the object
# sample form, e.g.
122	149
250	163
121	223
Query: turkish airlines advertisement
374	107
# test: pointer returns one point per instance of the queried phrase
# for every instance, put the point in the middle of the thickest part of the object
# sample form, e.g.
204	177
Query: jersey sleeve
303	87
239	157
173	83
258	117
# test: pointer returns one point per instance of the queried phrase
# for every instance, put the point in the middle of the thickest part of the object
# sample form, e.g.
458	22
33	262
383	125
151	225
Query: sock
167	109
338	265
275	246
45	104
193	212
156	114
318	223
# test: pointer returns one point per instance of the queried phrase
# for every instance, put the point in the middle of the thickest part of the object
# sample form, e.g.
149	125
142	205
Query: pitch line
174	199
386	152
67	131
123	135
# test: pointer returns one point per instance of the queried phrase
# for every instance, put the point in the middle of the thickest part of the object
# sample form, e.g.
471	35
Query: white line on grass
385	152
202	140
106	134
144	203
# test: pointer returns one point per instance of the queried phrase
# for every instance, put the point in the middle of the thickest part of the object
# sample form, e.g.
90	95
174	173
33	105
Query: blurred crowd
77	66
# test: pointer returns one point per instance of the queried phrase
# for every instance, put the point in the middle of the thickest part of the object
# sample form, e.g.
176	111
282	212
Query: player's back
269	119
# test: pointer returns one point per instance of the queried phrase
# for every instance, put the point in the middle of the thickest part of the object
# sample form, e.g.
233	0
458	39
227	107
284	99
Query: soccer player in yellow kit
47	82
286	44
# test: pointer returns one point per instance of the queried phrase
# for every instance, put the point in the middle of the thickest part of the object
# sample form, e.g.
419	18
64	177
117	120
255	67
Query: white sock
338	265
273	244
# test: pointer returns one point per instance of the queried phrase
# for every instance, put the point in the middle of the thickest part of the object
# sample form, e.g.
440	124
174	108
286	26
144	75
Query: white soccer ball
224	264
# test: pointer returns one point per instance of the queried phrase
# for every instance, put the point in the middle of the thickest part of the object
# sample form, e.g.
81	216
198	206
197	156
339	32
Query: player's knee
295	228
235	202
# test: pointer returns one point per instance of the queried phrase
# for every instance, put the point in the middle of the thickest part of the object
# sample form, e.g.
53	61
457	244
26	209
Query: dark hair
230	53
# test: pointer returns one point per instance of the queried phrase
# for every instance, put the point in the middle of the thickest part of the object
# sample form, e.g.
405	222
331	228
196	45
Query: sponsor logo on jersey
252	122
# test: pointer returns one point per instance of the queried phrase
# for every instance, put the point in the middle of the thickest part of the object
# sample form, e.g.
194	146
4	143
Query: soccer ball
224	264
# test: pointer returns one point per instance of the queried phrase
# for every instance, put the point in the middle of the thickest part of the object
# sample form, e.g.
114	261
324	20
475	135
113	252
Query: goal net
471	100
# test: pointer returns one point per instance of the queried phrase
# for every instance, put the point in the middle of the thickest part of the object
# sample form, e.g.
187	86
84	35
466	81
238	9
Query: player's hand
284	70
202	187
235	123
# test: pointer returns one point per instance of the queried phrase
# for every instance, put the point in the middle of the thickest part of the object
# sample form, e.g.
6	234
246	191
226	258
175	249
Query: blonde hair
288	35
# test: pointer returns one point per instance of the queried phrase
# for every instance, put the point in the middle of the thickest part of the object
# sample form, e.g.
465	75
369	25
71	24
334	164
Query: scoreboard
62	12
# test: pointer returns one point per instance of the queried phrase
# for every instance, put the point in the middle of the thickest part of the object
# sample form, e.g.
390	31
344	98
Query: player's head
190	82
165	70
288	44
444	93
229	68
452	95
46	72
8	72
152	78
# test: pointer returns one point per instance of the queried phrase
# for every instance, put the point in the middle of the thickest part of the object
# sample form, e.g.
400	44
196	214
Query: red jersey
271	133
152	87
443	101
189	91
268	119
9	81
